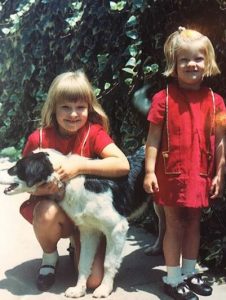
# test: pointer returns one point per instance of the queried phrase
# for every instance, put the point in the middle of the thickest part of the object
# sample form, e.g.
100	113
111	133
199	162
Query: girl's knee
45	213
94	281
50	218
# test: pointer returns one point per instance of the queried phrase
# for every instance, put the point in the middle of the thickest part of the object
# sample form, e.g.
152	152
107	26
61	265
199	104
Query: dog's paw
102	291
75	292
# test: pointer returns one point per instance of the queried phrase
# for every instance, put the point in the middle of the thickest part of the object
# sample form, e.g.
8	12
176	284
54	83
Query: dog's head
28	173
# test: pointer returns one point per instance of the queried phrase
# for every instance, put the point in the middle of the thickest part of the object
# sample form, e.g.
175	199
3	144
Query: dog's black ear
12	171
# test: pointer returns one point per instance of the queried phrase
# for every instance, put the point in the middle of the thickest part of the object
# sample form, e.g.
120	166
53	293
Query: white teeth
10	188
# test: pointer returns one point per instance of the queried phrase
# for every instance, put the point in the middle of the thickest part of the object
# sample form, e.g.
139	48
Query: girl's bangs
71	93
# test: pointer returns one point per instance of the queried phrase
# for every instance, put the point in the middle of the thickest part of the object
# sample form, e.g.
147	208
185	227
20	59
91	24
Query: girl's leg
50	224
190	252
97	272
191	239
172	243
174	285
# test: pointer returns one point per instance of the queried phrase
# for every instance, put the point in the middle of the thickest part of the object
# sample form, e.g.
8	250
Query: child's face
71	116
190	65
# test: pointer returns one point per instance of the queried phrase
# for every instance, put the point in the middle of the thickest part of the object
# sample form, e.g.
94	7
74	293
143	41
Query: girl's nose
74	113
191	63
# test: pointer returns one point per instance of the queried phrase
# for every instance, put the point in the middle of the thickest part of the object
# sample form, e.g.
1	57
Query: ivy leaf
107	85
138	3
102	60
150	69
129	70
133	50
97	91
117	6
131	22
6	31
128	81
131	62
132	34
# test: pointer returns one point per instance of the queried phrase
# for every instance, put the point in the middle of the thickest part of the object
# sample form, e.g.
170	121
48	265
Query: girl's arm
152	147
113	163
217	182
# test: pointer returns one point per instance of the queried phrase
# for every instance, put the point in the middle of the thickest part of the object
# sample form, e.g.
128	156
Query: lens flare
221	119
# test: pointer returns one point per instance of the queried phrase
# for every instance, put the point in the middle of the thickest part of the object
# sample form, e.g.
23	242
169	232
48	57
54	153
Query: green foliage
117	43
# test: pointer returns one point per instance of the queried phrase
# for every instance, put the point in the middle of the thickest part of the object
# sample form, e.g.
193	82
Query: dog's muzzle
10	188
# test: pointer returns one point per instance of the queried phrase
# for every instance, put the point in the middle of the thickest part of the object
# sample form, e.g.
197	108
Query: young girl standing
72	122
185	156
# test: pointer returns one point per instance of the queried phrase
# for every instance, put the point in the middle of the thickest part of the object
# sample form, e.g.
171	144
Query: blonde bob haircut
72	86
183	36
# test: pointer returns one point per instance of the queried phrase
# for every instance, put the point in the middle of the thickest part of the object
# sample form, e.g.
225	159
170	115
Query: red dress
89	141
185	161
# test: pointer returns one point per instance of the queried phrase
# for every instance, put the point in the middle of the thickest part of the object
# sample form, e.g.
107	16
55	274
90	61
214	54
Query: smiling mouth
72	121
10	188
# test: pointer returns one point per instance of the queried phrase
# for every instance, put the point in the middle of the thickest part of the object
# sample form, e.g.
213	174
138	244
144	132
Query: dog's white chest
87	208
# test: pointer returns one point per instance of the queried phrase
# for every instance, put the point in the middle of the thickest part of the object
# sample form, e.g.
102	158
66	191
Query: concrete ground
139	277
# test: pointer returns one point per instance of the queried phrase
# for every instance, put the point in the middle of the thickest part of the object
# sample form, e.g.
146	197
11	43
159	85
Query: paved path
139	277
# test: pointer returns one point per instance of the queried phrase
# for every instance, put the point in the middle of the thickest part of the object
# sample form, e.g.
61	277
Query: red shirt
89	141
184	166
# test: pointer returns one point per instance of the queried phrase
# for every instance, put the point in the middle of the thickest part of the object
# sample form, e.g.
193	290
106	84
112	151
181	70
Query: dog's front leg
116	237
89	242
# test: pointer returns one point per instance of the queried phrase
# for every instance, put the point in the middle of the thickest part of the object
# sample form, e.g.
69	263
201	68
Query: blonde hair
174	43
72	86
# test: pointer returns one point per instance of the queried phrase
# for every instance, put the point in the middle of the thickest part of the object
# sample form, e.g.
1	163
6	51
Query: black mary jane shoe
179	292
198	285
44	282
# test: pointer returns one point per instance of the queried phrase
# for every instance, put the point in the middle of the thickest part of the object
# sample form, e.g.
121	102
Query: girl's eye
199	59
183	60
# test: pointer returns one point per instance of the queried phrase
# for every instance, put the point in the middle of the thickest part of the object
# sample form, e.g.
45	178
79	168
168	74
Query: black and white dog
95	204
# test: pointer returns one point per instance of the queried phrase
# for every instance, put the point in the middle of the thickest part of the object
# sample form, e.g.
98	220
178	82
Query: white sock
48	259
174	276
188	267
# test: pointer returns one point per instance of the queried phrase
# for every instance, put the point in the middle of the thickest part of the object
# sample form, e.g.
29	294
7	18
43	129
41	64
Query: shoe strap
48	266
182	288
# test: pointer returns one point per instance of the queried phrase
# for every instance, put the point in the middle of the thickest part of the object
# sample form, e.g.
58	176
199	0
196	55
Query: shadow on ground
21	279
138	271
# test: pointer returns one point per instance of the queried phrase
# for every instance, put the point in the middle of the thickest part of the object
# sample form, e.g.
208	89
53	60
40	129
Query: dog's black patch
33	168
128	193
96	184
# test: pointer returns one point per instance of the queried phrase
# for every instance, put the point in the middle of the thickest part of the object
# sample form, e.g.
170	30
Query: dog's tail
133	195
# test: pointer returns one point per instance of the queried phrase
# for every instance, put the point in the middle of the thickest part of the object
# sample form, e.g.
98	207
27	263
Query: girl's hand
216	188
70	167
150	183
46	189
